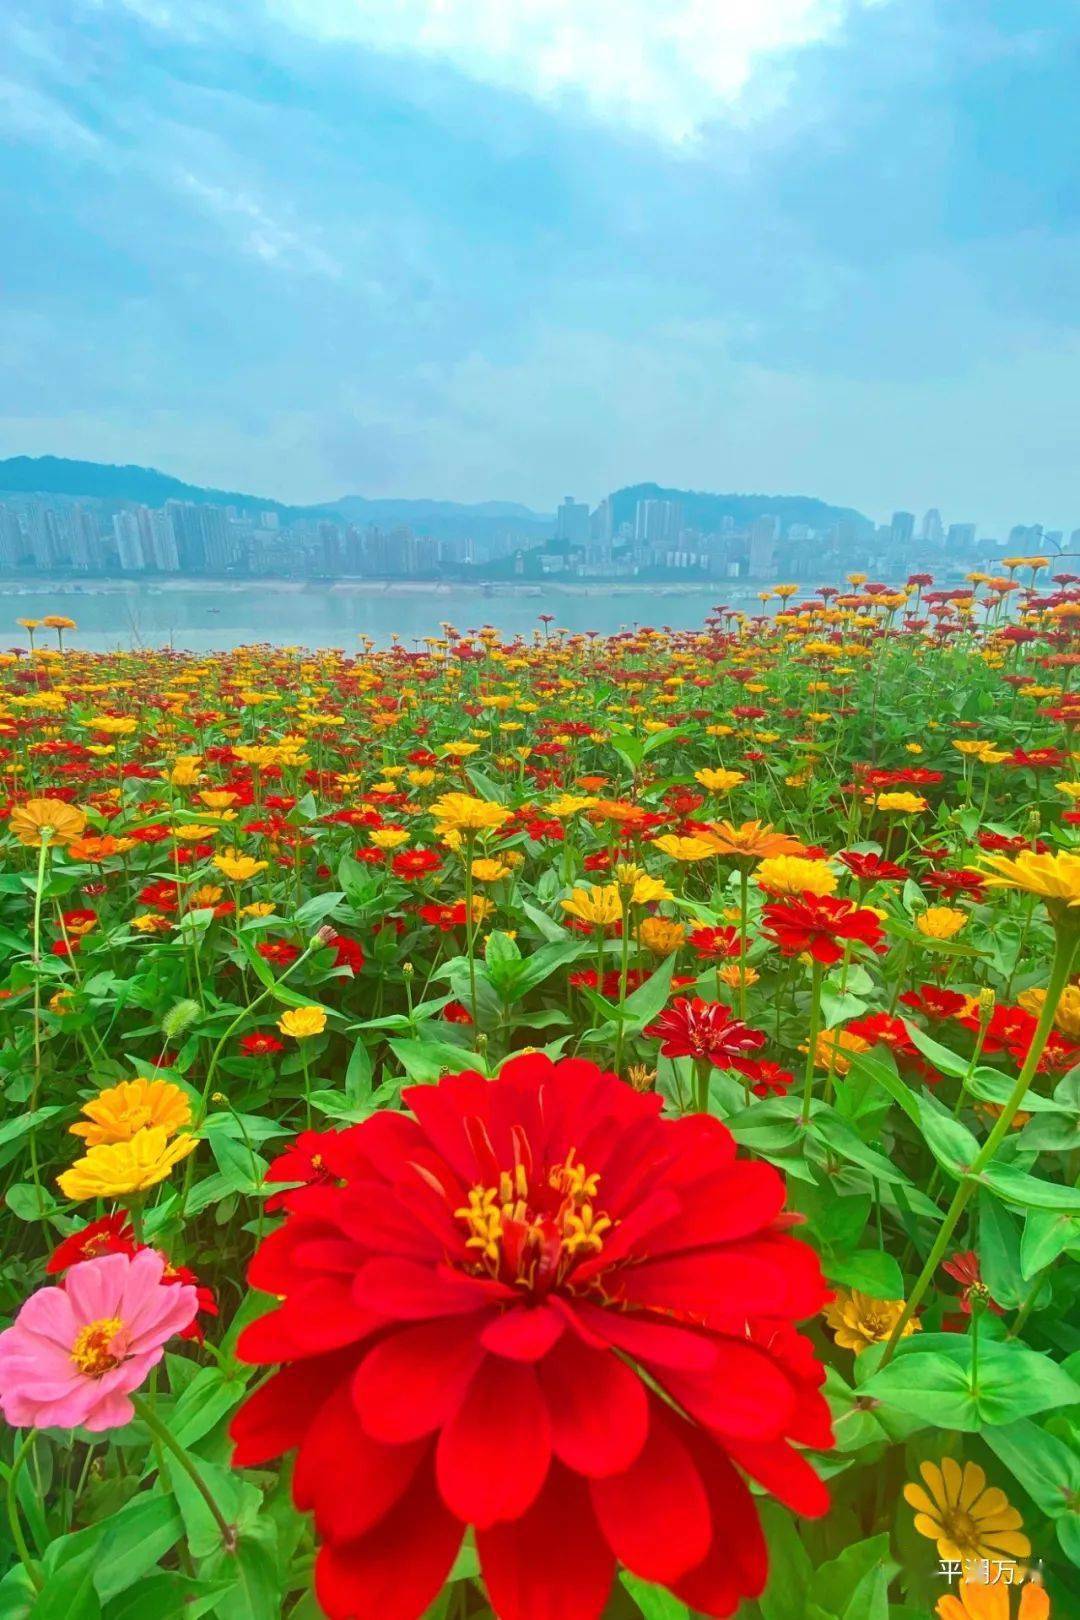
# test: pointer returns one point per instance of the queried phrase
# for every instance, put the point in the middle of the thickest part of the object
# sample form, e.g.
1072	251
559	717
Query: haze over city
316	247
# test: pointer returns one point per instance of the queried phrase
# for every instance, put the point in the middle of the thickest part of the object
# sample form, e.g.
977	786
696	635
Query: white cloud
262	235
665	68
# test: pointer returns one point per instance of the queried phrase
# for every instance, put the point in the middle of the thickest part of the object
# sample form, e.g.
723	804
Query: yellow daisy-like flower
151	922
238	868
116	1115
597	907
719	780
834	1050
302	1022
1053	877
662	935
389	837
685	849
966	1517
459	750
489	871
941	922
648	889
901	804
1067	1016
218	798
792	874
50	821
115	1169
1071	790
464	813
257	908
568	804
992	1600
858	1320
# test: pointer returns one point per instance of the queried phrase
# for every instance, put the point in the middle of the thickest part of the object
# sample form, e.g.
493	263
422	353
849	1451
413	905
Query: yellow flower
1071	790
990	1600
792	874
115	1169
151	922
218	798
941	922
1053	877
971	748
859	1320
719	781
113	725
238	868
459	750
389	837
901	804
489	871
115	1115
462	812
662	935
207	894
685	849
1067	1016
597	907
258	908
568	804
646	890
46	821
302	1022
737	975
966	1517
834	1050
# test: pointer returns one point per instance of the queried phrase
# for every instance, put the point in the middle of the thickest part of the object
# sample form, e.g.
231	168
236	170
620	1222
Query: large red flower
539	1309
820	924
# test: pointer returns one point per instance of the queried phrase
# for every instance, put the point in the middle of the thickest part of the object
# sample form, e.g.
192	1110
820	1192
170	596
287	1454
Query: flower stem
1064	951
811	1039
35	1090
160	1432
14	1520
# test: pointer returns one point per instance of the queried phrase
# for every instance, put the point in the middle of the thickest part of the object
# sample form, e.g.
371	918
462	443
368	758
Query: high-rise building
128	542
186	520
761	556
572	522
44	536
657	523
902	528
85	541
961	536
12	539
933	530
166	557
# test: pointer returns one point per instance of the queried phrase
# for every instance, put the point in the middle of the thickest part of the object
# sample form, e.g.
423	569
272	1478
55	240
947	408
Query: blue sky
513	248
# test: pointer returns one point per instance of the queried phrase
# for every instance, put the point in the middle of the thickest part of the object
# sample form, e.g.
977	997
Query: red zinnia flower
871	868
706	1029
539	1309
818	923
110	1235
260	1043
415	863
715	943
768	1078
935	1002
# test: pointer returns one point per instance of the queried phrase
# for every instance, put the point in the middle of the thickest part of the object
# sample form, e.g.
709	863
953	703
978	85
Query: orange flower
46	821
751	841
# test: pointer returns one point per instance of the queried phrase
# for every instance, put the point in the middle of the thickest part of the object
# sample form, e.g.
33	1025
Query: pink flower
74	1352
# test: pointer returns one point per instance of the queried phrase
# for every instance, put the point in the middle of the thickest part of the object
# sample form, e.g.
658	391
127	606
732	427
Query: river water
208	617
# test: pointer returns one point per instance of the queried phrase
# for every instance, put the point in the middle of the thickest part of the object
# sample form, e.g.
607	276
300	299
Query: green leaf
943	1059
999	1252
653	1601
358	1074
133	1541
544	962
872	1271
11	1129
833	1583
951	1143
935	1379
317	908
1047	1233
1017	1187
789	1567
645	1003
1046	1467
427	1060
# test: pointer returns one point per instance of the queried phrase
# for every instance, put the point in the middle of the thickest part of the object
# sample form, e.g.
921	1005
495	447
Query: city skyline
319	246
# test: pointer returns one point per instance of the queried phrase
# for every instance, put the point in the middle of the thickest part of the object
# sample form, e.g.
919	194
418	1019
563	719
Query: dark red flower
871	868
347	952
821	924
541	1310
705	1029
278	951
934	1001
768	1078
110	1235
713	944
455	1013
305	1164
415	863
444	918
260	1043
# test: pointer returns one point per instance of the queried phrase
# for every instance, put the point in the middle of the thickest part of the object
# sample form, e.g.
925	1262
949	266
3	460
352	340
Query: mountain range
117	486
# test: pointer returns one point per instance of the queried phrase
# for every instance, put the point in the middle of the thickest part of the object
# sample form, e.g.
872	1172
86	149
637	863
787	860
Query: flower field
547	1129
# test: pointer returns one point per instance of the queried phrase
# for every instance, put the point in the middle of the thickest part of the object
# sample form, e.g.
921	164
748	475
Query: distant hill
706	512
93	480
